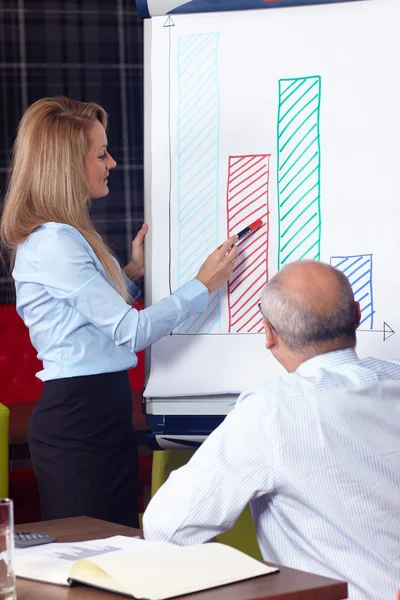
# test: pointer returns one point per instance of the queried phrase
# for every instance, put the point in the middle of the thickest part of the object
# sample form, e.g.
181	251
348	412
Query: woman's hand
135	268
218	267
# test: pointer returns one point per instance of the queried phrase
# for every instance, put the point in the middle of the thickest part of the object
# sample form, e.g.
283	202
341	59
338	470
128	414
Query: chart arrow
387	331
169	24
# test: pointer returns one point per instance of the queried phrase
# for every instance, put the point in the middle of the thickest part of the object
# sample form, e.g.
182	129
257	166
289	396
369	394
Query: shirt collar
327	360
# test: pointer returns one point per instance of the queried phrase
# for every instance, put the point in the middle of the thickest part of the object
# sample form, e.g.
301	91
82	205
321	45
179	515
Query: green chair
242	536
4	429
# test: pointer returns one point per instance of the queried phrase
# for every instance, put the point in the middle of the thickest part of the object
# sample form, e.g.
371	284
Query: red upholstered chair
18	362
18	365
136	375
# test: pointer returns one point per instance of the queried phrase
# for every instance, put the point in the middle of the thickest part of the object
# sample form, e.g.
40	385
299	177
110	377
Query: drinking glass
7	576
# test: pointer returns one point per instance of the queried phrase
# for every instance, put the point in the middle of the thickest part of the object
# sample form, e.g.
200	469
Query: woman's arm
60	261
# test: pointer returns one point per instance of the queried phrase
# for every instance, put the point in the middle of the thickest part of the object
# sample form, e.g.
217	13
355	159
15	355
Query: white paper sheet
52	562
291	115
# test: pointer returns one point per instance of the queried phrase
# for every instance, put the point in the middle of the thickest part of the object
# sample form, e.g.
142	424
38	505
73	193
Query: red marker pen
249	229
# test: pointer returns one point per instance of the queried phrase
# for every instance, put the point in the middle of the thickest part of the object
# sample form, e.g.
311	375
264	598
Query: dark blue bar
184	424
143	9
198	6
170	425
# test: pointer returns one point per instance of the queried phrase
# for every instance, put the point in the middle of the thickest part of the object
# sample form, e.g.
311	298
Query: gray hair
300	324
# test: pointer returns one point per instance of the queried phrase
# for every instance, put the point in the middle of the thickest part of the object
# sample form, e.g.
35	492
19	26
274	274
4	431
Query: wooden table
288	584
20	414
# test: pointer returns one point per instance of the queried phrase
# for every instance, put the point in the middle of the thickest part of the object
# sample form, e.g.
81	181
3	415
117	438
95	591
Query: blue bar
198	166
198	6
358	270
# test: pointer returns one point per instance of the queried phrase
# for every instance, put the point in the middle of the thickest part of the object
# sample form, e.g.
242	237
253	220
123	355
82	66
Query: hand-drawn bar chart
358	270
198	165
299	169
247	201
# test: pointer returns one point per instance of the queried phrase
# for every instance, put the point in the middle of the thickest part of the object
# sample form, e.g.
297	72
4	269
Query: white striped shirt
317	454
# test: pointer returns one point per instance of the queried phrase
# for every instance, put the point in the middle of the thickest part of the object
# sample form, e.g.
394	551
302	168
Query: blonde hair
48	177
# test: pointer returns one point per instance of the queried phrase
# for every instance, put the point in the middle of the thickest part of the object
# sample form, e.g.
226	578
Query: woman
75	299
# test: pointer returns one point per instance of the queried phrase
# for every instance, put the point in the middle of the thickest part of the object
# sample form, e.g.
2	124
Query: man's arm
206	496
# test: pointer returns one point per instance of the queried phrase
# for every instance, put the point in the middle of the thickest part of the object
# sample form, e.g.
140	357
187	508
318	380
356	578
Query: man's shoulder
372	362
383	368
285	388
277	389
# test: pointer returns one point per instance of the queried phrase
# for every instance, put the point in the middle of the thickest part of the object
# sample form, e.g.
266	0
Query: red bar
247	200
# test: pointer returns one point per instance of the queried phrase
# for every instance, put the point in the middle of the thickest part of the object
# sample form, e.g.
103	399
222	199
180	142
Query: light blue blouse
78	322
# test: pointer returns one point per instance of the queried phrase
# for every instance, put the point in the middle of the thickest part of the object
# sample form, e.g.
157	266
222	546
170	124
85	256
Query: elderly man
316	452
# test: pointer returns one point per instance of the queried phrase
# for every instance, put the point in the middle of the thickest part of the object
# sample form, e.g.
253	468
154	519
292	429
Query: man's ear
357	316
270	335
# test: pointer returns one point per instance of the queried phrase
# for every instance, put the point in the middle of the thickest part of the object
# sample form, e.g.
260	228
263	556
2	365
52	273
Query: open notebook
148	570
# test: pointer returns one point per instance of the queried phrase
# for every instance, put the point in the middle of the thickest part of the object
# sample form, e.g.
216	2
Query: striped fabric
317	454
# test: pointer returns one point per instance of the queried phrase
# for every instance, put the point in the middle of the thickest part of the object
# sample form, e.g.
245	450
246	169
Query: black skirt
84	450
